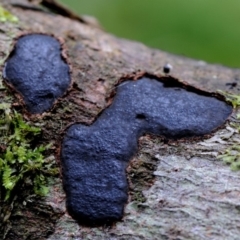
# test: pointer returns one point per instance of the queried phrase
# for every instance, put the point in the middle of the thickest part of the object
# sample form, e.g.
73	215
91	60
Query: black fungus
94	158
37	70
167	68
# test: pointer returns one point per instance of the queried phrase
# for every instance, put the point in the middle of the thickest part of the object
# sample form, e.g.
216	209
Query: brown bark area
178	190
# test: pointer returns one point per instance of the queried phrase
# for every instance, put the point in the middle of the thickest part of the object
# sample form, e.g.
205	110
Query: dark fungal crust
94	158
38	71
168	80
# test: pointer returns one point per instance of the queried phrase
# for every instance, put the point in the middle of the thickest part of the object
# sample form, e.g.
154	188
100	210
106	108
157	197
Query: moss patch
232	98
231	155
23	167
20	160
6	16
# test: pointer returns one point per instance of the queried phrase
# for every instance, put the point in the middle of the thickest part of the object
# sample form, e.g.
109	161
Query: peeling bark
178	190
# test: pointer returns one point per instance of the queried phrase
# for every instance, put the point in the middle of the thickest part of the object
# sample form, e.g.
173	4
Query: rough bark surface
178	190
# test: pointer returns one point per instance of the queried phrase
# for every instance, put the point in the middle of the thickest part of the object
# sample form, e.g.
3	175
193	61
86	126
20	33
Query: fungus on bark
38	71
94	158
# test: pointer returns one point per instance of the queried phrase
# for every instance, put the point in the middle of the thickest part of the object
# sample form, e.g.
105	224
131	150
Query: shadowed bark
178	189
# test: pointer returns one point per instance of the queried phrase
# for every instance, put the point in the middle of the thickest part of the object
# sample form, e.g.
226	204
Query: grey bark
178	190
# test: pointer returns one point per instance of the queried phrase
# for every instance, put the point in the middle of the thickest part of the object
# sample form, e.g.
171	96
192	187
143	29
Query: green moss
138	197
232	98
22	162
6	16
231	156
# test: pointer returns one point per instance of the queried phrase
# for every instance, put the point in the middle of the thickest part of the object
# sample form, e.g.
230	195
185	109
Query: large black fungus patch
37	70
94	158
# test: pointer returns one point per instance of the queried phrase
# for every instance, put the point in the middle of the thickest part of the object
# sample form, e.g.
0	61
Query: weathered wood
178	190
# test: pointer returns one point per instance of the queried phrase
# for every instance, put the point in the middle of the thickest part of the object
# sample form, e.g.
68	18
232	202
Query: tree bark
178	190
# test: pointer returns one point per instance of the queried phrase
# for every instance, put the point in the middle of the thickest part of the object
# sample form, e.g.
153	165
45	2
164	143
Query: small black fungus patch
167	68
94	158
37	70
